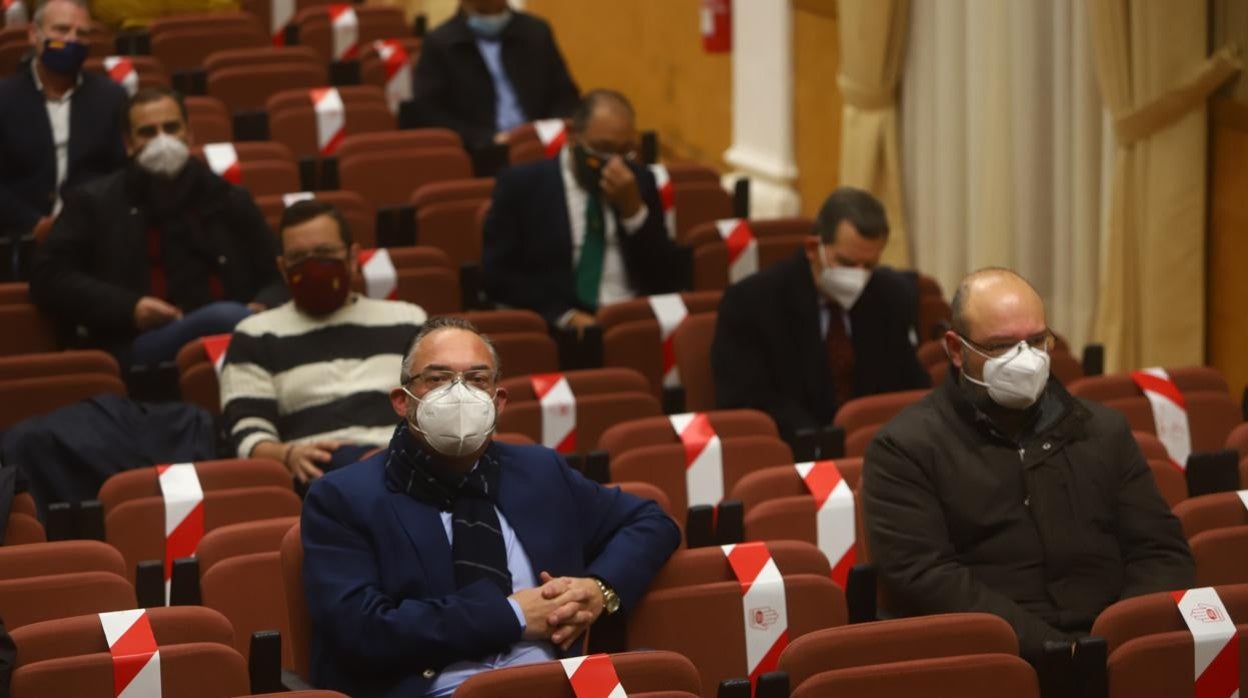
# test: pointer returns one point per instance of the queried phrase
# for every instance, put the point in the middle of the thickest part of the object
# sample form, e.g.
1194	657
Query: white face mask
164	156
1014	379
455	419
843	284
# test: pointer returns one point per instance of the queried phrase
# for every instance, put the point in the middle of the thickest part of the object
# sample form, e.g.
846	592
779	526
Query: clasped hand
560	609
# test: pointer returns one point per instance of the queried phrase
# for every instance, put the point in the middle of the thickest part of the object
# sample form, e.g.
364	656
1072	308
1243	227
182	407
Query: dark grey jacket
1045	533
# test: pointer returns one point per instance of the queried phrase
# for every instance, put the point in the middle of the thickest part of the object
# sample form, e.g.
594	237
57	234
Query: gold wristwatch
610	599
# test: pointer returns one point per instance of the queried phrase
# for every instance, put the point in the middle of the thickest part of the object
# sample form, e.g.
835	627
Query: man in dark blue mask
487	70
59	127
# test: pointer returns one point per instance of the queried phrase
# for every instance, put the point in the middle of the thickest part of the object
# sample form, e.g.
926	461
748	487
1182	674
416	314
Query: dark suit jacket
28	156
379	580
526	256
768	353
452	86
94	265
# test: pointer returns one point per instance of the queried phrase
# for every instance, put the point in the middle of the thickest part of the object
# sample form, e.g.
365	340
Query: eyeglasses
605	156
480	378
294	258
1041	342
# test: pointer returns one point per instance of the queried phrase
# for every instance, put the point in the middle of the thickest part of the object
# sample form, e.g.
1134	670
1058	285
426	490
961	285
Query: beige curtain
1001	133
873	41
1154	79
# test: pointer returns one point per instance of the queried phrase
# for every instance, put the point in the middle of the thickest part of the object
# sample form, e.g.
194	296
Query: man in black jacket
487	70
800	338
584	229
1001	493
58	125
159	253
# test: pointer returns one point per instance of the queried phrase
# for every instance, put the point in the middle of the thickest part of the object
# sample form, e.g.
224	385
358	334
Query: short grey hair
445	322
37	18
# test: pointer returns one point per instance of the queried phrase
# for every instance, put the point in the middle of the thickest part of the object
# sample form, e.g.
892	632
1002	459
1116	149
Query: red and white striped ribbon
331	118
1243	497
344	32
1169	412
704	458
558	411
136	657
381	279
763	603
553	133
593	677
295	197
223	160
280	14
215	347
669	309
184	513
1215	641
667	197
835	525
742	247
397	64
121	71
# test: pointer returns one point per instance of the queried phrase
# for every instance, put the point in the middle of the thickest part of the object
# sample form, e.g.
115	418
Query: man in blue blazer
583	229
59	126
448	554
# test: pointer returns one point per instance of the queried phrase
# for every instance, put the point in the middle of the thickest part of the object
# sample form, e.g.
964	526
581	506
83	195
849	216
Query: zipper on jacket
1022	458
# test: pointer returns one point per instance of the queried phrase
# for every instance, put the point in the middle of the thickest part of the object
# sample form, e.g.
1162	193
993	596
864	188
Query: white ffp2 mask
844	284
1016	378
164	156
455	419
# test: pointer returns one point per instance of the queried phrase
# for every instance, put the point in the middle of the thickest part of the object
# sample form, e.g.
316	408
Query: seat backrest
266	55
1150	446
594	414
494	322
249	590
266	177
389	178
875	409
1113	386
783	481
434	289
709	565
973	676
23	529
584	383
899	640
639	309
710	260
58	364
361	217
263	11
1211	417
292	116
32	599
715	611
208	119
28	330
373	68
653	431
197	378
665	466
222	474
1221	556
59	557
698	202
451	226
1160	665
638	672
192	669
691	172
149	70
476	189
186	47
691	344
247	87
264	536
77	635
296	607
1171	482
22	398
1238	439
523	353
136	528
646	490
406	139
1157	613
251	151
524	145
374	22
797	518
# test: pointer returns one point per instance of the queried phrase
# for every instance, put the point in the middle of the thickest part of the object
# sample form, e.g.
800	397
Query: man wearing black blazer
59	126
800	338
583	229
487	70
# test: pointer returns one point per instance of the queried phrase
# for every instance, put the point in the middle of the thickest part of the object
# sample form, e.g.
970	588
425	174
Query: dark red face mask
319	285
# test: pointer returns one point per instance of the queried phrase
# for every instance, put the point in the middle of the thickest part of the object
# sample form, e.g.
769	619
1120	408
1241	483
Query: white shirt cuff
634	222
515	607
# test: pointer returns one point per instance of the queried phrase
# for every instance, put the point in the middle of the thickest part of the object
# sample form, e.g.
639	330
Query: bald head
996	305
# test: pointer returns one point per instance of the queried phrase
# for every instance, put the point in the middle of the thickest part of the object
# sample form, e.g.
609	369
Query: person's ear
811	246
500	400
398	402
353	257
953	348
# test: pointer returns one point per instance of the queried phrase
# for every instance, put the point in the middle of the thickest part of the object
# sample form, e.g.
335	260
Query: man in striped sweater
307	383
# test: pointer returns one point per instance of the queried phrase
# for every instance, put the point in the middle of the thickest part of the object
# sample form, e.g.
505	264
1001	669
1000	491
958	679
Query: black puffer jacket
1045	533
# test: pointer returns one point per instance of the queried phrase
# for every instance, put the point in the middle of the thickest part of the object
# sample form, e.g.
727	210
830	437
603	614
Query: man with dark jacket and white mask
1002	493
805	335
159	253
